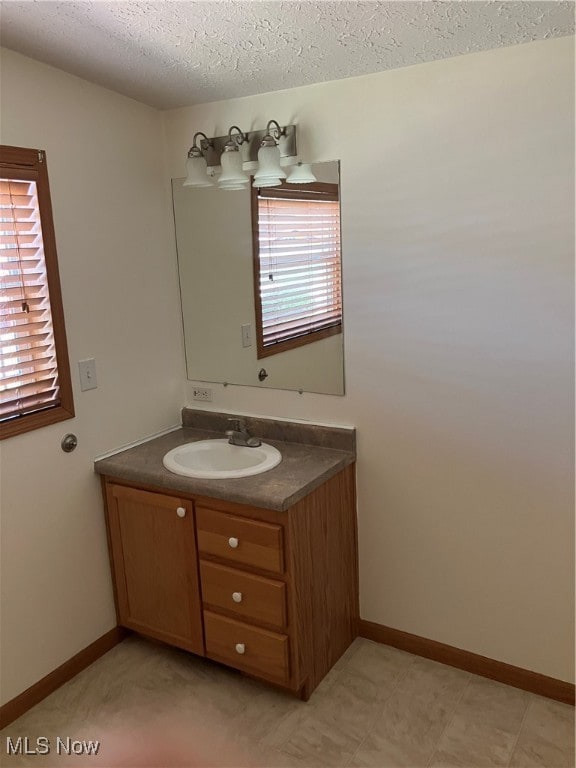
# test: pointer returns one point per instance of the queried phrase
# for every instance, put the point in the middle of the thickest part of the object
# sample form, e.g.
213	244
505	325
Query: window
297	265
35	388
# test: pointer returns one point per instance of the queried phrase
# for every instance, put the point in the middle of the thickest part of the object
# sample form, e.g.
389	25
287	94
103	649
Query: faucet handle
235	424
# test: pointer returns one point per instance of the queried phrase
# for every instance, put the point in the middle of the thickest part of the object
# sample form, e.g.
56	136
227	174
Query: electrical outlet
87	369
201	393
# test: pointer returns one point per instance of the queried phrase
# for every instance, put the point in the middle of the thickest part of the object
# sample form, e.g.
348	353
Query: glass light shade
269	165
232	169
197	173
301	174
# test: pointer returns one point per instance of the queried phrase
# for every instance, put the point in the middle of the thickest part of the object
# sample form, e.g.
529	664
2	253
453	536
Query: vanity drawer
247	648
240	540
251	597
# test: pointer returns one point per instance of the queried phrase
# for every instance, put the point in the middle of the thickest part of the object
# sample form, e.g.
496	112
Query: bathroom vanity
258	573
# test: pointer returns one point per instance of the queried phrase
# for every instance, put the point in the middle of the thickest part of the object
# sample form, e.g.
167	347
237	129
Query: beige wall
457	200
119	287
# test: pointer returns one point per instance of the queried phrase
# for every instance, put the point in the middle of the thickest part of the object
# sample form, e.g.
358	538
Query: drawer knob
233	542
240	648
181	512
237	597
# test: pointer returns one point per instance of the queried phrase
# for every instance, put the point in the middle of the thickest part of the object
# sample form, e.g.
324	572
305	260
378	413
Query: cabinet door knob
237	597
181	512
233	542
240	648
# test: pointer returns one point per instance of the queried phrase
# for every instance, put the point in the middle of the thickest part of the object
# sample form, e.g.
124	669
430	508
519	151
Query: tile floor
151	705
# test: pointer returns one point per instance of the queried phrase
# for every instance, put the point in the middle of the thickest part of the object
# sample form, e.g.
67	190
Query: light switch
247	335
87	370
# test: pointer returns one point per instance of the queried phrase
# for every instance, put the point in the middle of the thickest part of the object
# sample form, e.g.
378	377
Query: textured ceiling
173	53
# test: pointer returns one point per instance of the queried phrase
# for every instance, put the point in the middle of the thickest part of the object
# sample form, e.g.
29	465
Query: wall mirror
260	281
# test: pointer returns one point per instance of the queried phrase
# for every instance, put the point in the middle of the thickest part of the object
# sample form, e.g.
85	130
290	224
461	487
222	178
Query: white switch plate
247	335
202	393
87	369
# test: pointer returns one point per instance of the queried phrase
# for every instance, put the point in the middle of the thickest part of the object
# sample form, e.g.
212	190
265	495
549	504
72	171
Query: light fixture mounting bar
287	146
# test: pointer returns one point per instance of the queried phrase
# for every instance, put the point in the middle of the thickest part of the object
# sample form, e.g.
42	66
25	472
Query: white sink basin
218	460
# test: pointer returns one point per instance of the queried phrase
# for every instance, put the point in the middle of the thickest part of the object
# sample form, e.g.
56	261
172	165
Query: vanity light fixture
238	154
232	176
196	167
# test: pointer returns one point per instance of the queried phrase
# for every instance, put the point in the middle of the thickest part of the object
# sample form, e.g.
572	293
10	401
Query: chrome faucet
238	435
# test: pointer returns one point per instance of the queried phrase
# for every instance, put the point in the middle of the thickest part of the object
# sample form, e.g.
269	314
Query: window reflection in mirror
297	265
216	257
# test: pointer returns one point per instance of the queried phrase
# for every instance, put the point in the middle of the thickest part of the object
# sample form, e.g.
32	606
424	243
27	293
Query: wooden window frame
32	165
305	192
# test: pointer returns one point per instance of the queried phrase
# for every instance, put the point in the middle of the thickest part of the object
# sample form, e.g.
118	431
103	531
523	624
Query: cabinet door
156	573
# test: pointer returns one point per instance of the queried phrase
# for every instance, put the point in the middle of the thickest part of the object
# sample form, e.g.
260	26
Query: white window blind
28	367
300	279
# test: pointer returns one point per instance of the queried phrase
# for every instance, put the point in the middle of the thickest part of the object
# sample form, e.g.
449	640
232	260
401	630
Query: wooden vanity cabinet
272	594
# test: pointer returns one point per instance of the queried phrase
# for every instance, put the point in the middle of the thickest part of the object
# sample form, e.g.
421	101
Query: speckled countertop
303	468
